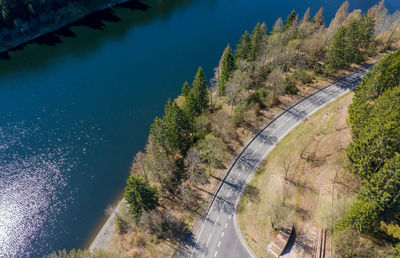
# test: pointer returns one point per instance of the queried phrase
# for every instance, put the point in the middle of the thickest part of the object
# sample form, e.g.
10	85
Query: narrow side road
219	235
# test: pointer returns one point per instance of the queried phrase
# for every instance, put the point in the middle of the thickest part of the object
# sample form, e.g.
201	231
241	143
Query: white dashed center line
208	240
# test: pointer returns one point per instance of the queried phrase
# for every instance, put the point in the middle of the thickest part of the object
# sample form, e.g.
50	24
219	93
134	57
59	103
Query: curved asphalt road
219	236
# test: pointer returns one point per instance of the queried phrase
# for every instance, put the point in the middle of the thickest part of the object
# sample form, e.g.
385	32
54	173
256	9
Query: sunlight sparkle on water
30	186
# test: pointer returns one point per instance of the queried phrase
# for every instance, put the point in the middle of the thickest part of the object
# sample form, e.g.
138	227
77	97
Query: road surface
219	235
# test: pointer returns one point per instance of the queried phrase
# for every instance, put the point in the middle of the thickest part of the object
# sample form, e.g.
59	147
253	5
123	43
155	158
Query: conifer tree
140	196
367	25
192	107
185	89
200	89
352	52
243	47
227	65
176	127
290	19
256	39
335	58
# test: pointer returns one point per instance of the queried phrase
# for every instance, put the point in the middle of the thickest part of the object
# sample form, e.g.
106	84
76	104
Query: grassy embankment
295	182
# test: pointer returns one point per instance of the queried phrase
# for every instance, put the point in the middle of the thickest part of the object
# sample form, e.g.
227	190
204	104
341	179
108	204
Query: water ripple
31	185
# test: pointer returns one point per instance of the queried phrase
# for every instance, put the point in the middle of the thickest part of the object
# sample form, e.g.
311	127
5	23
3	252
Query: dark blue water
74	114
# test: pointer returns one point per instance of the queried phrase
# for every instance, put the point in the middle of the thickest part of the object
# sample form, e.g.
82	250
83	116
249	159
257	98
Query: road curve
219	235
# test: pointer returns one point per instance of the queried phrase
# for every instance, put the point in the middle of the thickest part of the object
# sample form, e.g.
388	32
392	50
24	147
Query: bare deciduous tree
287	164
276	80
194	169
138	166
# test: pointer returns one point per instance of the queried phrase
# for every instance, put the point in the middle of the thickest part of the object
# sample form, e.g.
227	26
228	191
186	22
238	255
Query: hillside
191	145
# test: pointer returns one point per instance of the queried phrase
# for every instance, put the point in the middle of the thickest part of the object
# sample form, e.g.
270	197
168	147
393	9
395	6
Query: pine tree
176	127
352	52
335	58
227	66
140	196
192	107
185	89
367	25
290	19
200	89
256	39
384	189
243	47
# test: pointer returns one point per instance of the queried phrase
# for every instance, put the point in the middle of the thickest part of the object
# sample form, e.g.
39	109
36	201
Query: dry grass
312	154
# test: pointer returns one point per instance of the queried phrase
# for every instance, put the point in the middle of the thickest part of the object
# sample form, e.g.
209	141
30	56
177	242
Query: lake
77	105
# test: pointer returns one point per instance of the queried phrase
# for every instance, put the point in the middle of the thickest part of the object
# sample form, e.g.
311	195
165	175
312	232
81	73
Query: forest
374	157
20	20
191	144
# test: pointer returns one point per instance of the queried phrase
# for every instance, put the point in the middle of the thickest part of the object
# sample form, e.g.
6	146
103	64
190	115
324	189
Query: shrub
259	96
302	76
239	115
290	87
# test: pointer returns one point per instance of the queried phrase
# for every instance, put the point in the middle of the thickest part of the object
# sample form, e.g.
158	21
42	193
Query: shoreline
101	234
102	238
15	43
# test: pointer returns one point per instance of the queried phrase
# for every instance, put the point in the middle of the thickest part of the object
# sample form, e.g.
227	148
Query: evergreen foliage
173	131
290	19
140	196
256	40
200	91
379	200
335	57
176	127
227	67
185	89
243	47
350	43
375	151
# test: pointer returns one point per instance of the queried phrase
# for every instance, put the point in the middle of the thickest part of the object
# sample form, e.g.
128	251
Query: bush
239	115
290	86
302	76
259	97
122	225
